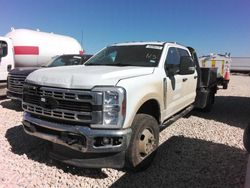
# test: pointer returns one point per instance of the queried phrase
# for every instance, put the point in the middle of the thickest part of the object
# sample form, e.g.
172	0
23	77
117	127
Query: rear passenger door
189	82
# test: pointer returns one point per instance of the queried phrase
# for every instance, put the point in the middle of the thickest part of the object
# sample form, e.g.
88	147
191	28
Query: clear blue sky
209	25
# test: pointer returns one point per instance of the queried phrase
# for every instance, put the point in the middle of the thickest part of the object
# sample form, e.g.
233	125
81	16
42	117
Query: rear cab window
183	52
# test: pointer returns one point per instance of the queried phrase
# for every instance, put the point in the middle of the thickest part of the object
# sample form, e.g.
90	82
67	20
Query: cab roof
161	43
138	43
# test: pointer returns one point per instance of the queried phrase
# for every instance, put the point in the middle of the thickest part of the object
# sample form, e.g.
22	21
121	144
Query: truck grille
63	104
15	83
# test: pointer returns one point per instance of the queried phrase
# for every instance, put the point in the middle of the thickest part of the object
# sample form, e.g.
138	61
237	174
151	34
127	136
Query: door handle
184	79
195	77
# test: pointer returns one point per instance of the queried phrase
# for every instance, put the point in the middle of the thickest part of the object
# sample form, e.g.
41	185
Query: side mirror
171	69
186	65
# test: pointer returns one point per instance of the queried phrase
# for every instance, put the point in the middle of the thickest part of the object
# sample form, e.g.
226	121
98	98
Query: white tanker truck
29	48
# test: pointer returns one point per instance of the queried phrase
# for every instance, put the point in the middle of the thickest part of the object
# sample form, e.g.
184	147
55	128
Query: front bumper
80	143
3	87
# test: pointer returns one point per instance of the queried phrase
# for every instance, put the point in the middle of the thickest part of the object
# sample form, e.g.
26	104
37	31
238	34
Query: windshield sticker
77	57
151	56
154	47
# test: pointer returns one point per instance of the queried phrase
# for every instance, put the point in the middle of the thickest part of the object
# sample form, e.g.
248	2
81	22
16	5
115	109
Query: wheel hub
146	143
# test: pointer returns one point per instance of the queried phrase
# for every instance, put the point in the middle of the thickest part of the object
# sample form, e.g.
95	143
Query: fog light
107	141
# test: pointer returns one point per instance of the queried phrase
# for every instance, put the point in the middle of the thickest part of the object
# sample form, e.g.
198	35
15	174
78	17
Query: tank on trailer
34	48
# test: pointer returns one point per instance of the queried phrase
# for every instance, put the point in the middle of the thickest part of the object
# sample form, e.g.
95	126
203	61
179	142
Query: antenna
82	39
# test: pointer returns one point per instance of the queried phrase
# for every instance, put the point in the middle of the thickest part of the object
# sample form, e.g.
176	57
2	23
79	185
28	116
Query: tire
210	103
143	143
246	138
225	85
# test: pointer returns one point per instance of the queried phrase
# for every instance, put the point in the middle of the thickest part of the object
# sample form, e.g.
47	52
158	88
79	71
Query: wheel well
151	107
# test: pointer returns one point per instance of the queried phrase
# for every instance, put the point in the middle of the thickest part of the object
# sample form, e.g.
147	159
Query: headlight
114	106
111	98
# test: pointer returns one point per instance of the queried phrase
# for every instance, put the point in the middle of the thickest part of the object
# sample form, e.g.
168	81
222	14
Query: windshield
136	55
65	60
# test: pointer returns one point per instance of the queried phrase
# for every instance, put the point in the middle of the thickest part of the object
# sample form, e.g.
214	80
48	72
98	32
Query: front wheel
144	142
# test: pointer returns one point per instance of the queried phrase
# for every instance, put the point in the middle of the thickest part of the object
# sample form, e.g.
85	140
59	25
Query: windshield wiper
121	65
95	64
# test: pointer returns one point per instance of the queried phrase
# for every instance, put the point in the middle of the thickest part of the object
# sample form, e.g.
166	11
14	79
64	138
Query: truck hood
85	77
23	71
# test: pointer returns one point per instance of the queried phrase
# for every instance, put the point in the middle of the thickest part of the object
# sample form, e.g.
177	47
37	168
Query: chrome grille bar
72	105
15	83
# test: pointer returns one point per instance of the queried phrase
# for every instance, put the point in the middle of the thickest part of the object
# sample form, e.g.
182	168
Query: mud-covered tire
210	103
143	143
246	138
225	86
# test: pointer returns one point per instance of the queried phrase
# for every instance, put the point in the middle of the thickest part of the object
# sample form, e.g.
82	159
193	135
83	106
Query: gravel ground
202	150
2	89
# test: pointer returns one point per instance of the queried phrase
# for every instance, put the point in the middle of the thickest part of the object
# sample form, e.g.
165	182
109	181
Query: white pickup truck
109	112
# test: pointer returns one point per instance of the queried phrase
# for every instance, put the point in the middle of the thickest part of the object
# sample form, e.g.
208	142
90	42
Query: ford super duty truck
110	111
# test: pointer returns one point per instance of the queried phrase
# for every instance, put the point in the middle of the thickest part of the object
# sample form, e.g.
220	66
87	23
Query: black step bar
175	117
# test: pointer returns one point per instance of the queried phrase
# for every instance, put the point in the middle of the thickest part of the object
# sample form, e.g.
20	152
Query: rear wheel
210	102
144	142
225	85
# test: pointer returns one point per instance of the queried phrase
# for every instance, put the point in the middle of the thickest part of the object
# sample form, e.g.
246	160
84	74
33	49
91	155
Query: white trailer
240	64
220	61
29	48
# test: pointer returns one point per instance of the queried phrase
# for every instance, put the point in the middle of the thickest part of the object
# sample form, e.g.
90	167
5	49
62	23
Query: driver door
174	99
